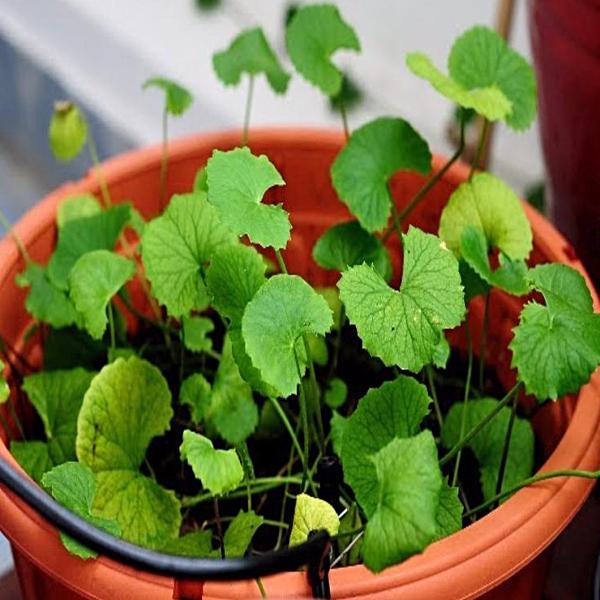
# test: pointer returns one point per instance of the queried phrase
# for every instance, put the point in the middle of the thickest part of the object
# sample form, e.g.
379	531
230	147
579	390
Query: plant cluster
174	366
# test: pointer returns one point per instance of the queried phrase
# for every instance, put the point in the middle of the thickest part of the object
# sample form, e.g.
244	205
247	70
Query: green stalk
281	262
434	396
396	219
304	421
337	342
19	243
244	456
463	417
261	587
285	496
430	183
286	423
344	119
316	400
530	481
219	526
480	147
506	446
484	336
97	168
245	133
463	441
111	325
164	160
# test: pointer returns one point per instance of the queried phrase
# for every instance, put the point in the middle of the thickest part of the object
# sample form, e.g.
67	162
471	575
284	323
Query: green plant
142	428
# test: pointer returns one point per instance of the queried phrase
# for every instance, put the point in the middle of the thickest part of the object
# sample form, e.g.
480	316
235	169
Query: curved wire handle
309	553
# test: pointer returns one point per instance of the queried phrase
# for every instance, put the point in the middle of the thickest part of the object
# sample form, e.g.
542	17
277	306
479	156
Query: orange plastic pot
500	556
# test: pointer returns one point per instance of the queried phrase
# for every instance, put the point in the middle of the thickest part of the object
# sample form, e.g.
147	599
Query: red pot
501	555
565	38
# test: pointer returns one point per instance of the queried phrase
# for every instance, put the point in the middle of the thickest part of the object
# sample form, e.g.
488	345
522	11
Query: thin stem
281	262
272	523
219	526
261	587
482	139
304	420
164	160
434	396
530	481
97	168
337	342
463	441
316	399
111	326
347	549
286	423
244	455
290	463
484	336
463	417
506	446
344	115
248	110
396	220
430	183
19	243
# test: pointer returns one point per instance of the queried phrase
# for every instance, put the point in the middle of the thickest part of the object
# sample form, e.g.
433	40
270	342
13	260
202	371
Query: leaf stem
219	526
316	396
484	337
245	134
463	417
434	396
530	481
111	325
281	262
506	446
344	115
396	219
19	243
164	160
463	441
97	168
261	587
337	342
244	455
304	420
482	141
430	183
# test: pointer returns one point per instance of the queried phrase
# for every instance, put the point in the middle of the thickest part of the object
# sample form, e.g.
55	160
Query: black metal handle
311	552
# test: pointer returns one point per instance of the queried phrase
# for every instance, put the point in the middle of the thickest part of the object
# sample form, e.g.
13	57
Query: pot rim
470	561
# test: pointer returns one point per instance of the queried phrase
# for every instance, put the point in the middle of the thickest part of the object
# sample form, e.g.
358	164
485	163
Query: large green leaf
251	53
79	236
556	347
348	244
487	203
234	276
33	457
312	514
405	327
220	471
45	301
177	98
72	485
237	182
488	444
409	483
283	310
481	58
94	279
175	248
240	532
314	33
362	170
489	102
393	410
127	404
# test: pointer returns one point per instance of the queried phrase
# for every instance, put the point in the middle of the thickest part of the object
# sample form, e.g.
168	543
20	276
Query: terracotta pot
565	38
501	555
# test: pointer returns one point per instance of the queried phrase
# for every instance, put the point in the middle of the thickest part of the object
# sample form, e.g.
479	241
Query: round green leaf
314	33
251	53
195	391
336	393
177	98
312	514
362	170
237	182
405	327
195	333
67	132
283	310
393	410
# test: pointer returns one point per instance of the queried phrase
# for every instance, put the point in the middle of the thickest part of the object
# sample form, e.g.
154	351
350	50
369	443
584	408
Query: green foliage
283	310
394	410
77	207
94	279
350	523
195	391
220	471
112	439
481	58
336	394
67	132
405	327
556	347
449	513
488	444
409	483
79	236
4	389
489	101
237	182
362	170
251	53
349	97
175	248
177	98
197	544
45	301
195	333
240	532
348	244
312	514
73	485
313	35
338	425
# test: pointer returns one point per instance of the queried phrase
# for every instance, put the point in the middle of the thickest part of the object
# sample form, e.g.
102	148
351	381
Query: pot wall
499	547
